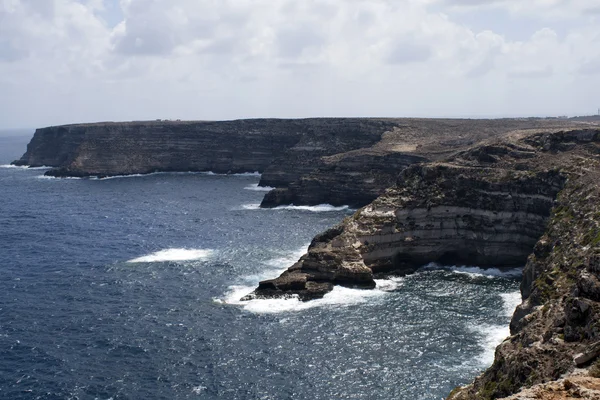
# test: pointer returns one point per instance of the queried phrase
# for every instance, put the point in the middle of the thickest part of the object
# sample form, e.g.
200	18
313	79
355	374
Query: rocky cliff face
341	161
357	177
485	206
136	148
557	327
531	198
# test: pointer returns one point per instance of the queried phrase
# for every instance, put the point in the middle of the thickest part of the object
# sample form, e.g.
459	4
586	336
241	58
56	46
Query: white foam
24	167
317	209
338	297
57	178
198	389
257	188
97	178
389	285
173	255
476	272
510	302
253	206
242	174
493	335
256	174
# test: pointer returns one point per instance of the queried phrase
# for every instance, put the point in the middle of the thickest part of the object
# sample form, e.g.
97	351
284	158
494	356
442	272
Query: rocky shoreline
489	193
531	198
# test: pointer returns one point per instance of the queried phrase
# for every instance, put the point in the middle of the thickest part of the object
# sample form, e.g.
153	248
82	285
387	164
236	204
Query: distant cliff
341	161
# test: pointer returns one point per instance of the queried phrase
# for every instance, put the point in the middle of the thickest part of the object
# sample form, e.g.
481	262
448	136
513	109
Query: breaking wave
339	296
475	272
493	335
173	255
316	209
27	167
257	188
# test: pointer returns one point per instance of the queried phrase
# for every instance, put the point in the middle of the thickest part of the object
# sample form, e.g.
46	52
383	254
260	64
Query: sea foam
317	209
475	272
173	255
256	188
493	335
339	296
23	167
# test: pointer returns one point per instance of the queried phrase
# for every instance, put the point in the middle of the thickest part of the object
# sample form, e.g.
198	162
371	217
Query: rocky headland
530	197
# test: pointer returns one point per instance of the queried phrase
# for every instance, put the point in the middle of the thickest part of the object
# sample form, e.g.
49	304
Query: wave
174	255
256	188
252	206
389	285
253	174
477	272
493	335
25	167
97	178
510	302
338	297
316	209
46	177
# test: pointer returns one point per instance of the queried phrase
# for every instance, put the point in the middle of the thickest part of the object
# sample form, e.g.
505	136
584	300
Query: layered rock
136	148
485	206
556	328
342	161
532	198
357	177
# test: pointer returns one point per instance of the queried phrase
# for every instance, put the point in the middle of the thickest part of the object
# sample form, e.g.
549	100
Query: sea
130	287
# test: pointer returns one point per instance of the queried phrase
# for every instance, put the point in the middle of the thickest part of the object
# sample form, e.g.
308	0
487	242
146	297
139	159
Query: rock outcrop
485	206
530	198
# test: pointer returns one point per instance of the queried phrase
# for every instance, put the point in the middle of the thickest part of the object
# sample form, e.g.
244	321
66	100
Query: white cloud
60	61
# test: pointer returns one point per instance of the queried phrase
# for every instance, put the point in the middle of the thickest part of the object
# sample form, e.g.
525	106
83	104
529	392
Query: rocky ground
577	386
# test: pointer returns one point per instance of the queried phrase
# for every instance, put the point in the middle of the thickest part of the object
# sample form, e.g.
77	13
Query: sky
68	61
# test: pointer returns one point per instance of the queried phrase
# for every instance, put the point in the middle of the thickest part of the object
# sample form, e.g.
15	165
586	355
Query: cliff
529	198
491	193
341	161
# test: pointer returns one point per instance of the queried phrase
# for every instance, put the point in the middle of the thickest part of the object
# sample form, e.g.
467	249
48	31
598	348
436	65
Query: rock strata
556	327
340	161
530	198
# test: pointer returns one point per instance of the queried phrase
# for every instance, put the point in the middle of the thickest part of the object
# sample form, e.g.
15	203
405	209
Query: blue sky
64	61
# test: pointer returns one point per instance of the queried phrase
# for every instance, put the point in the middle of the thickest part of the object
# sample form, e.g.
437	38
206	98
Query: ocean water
129	288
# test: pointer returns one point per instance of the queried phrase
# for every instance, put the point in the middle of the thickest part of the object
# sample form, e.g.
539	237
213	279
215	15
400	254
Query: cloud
63	61
406	52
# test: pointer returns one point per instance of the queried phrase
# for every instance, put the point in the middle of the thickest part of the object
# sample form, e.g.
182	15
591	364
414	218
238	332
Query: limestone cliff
341	161
530	198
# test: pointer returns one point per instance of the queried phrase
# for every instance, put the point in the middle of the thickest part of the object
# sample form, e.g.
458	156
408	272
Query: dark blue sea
128	288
